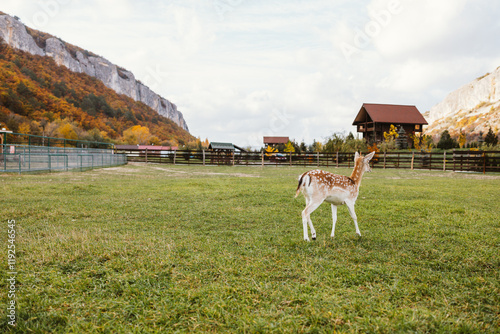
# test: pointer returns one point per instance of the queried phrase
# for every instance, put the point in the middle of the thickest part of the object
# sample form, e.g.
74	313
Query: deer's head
363	161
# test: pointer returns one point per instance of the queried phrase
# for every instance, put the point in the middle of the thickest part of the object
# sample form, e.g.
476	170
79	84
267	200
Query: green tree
491	138
335	143
446	142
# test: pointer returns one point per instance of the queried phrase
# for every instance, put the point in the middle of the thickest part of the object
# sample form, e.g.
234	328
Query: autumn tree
289	148
392	134
462	139
67	131
136	135
24	128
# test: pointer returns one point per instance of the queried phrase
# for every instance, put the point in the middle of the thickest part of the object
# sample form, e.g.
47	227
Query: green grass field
155	248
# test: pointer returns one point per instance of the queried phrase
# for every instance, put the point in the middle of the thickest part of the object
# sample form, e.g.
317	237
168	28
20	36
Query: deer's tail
302	182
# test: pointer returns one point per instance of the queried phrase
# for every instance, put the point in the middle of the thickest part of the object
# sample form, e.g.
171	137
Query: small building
223	153
274	141
373	120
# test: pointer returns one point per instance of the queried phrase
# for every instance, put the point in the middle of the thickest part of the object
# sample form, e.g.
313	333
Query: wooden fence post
317	158
412	158
203	157
453	160
484	162
262	153
385	153
337	159
444	161
175	155
146	155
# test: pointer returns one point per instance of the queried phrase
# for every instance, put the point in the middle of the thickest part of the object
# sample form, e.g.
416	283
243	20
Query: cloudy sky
241	69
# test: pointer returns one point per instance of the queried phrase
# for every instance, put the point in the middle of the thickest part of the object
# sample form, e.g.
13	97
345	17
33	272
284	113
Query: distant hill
472	108
38	96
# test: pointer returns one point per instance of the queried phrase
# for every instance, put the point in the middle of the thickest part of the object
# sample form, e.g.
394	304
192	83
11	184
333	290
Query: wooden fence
456	160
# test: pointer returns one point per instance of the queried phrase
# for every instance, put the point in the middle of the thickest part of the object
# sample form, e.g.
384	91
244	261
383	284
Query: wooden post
146	155
484	162
317	158
262	153
203	157
175	155
337	159
412	158
453	160
233	157
385	153
444	161
290	159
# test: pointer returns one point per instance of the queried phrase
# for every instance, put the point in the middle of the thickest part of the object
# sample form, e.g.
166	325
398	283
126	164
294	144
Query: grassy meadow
159	248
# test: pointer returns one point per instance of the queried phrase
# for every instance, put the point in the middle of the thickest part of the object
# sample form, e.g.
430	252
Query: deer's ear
356	156
368	157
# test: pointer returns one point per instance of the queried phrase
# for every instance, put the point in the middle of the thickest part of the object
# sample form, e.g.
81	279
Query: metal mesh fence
22	158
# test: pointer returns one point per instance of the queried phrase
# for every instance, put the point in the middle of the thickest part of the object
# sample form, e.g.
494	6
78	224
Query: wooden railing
456	160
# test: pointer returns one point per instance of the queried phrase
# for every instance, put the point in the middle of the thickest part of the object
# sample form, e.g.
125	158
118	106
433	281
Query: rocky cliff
473	108
18	36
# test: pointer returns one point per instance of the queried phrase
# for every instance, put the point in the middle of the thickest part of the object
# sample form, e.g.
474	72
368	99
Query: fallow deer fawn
319	186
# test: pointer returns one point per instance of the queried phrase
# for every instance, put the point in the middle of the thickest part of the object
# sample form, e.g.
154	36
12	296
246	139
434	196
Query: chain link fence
21	159
18	154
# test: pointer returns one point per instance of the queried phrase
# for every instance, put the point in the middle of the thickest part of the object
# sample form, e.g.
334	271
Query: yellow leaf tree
136	135
462	139
24	128
392	134
67	131
289	147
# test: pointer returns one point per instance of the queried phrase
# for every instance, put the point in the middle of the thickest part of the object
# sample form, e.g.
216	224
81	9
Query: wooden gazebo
223	152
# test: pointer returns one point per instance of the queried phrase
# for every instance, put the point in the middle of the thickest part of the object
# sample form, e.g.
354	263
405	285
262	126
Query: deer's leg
350	206
334	217
306	219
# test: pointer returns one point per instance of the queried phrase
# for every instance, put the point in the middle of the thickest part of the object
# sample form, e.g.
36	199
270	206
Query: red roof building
373	120
271	141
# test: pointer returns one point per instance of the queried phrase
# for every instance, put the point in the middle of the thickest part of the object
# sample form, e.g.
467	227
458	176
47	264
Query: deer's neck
357	174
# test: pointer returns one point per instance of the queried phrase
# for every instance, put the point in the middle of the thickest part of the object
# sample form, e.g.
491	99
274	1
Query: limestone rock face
472	108
14	33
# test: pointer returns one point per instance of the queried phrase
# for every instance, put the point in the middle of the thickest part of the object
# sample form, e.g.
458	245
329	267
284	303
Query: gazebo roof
224	146
221	146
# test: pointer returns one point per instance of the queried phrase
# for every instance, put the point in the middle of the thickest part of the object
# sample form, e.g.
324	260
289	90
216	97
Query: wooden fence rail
455	160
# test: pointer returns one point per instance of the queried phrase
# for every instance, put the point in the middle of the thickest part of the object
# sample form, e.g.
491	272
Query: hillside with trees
39	97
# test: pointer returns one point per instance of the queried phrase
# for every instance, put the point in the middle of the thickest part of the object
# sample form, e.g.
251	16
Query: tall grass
152	248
